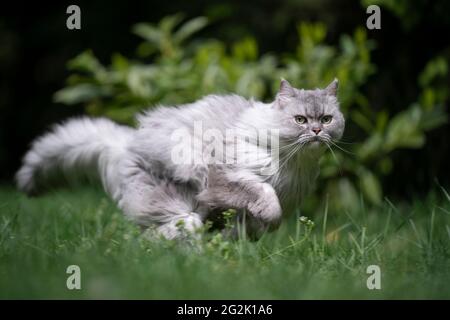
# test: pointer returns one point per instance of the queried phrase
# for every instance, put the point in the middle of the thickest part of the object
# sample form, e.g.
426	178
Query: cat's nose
316	130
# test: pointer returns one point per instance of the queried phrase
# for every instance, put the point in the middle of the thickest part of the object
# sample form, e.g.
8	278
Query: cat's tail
78	147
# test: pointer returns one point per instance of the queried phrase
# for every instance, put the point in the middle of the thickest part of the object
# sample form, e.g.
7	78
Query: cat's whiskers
288	146
329	142
290	154
335	158
340	148
297	147
347	142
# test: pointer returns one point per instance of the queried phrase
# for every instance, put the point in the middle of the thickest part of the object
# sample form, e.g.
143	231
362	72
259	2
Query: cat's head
309	117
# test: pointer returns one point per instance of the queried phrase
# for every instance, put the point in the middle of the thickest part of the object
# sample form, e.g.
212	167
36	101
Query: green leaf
363	121
167	24
189	28
119	62
246	50
86	61
148	32
371	147
79	93
437	67
370	186
433	119
404	130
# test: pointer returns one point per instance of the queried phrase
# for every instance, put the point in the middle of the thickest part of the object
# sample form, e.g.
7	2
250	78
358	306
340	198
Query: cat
140	170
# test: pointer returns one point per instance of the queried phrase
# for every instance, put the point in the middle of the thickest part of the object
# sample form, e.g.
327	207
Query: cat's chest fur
296	178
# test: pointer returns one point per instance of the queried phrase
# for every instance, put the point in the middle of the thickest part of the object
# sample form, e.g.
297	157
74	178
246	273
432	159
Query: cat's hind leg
167	206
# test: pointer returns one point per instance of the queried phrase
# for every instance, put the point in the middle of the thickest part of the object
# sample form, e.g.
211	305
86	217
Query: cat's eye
325	119
300	119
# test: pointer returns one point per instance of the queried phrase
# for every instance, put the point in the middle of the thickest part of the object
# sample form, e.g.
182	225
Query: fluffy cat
138	170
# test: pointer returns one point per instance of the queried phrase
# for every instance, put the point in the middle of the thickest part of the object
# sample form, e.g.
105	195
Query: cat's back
212	111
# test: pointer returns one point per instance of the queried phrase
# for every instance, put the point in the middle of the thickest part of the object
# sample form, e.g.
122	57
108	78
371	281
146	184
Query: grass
41	237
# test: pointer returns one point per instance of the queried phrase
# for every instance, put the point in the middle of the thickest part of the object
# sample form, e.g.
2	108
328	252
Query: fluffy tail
78	146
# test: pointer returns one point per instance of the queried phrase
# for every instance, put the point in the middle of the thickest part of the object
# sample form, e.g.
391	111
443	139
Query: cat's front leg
266	207
242	191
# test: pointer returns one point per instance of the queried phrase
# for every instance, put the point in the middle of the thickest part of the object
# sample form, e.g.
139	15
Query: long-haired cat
140	168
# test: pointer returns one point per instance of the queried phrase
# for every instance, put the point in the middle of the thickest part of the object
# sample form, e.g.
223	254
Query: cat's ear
332	88
285	93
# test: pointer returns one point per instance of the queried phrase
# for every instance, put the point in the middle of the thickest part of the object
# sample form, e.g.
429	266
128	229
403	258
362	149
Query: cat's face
309	117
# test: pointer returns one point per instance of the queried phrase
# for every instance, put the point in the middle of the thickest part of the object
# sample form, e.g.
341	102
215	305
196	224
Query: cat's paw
255	228
267	208
209	198
269	213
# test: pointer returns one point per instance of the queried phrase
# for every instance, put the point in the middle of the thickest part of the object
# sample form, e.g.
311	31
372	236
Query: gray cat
142	170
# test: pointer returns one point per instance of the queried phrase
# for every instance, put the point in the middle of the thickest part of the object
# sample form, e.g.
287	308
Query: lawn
40	237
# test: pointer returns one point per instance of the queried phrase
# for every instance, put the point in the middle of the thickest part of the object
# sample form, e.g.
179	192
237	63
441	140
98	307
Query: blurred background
394	82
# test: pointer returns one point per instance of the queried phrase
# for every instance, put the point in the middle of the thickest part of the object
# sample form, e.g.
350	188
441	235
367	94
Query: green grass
40	237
